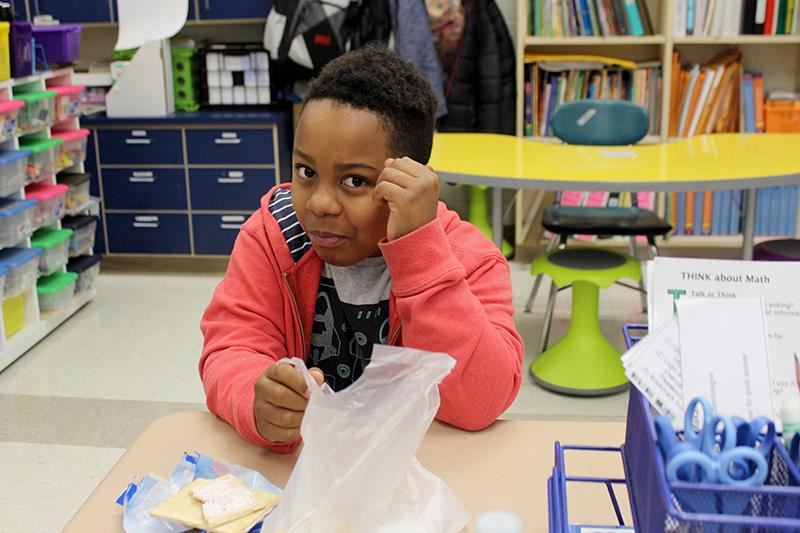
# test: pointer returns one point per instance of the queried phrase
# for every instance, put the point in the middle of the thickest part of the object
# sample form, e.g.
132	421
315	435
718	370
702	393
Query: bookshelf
776	56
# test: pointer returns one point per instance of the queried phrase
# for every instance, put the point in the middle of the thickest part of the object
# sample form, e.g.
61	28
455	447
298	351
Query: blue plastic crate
557	489
697	507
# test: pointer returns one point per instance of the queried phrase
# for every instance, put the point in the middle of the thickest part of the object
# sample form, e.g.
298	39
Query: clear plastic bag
141	497
357	471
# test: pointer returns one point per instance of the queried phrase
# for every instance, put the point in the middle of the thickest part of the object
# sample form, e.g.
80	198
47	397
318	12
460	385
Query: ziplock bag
143	496
357	471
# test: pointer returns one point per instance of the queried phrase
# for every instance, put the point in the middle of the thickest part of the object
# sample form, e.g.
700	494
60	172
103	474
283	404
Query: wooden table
700	163
503	467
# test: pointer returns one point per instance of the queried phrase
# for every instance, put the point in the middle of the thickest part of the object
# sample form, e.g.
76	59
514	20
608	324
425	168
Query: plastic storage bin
79	189
9	111
56	291
54	244
23	269
68	101
14	315
38	111
87	267
62	43
12	171
5	51
16	221
73	149
51	206
782	116
21	49
44	158
84	228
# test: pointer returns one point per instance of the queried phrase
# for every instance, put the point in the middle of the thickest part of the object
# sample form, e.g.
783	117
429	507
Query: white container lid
498	522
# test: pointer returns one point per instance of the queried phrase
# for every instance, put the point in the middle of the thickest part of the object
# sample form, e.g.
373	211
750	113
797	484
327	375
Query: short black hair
378	80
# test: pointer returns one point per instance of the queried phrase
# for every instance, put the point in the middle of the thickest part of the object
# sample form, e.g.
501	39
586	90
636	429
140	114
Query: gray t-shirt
351	315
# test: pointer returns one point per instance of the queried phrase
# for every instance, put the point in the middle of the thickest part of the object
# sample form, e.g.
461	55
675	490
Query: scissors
794	449
719	451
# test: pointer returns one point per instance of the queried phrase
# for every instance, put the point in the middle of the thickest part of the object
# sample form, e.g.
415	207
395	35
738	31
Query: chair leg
548	318
538	281
635	254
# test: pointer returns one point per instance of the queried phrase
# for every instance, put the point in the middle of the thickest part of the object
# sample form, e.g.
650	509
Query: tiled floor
70	406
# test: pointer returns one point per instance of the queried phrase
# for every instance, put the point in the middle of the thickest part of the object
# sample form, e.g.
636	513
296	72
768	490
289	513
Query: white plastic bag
357	471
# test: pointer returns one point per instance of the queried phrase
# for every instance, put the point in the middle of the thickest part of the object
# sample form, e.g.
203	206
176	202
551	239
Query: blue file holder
659	506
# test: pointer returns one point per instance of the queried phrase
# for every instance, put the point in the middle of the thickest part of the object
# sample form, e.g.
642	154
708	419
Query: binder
716	217
748	26
644	14
747	100
634	20
776	214
619	14
680	210
691	200
707	212
760	17
758	102
783	8
585	18
769	22
725	202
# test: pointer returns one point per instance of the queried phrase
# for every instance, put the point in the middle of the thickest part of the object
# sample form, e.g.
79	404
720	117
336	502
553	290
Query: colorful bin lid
34	96
73	180
9	156
83	263
44	191
78	222
67	90
16	257
57	28
70	135
12	207
8	106
47	238
55	282
36	146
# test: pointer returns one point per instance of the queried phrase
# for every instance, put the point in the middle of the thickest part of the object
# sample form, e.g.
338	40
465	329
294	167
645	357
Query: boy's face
339	152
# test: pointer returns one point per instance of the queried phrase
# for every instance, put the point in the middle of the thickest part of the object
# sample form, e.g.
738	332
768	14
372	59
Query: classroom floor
70	406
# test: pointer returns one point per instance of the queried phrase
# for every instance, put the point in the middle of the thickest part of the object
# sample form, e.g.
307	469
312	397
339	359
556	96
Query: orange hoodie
451	293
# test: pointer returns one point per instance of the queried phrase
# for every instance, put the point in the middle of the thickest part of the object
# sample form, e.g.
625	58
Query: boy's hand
281	397
412	192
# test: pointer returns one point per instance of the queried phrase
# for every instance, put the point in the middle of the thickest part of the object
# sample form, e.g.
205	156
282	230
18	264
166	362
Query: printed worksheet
776	283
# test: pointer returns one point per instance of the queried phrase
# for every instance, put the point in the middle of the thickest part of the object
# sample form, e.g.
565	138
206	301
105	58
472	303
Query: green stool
479	214
583	362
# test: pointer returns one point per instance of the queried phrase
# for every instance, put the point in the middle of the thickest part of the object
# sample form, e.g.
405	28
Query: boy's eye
355	182
305	172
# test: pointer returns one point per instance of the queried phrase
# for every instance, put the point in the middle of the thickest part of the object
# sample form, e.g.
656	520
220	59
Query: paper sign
776	283
149	20
654	366
723	346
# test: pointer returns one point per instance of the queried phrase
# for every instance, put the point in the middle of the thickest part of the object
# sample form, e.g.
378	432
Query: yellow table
704	162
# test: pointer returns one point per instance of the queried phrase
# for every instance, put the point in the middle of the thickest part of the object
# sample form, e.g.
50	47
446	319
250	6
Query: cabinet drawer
133	233
230	147
140	147
161	188
215	234
237	189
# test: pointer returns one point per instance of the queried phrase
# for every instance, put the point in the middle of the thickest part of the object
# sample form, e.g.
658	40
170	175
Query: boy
357	251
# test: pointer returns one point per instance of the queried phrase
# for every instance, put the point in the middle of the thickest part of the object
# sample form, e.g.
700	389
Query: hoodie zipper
393	338
296	309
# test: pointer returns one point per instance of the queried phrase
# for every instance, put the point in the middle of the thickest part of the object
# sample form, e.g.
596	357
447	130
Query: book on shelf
720	212
705	98
589	18
555	79
727	18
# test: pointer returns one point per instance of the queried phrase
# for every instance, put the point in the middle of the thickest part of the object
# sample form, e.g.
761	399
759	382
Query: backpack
302	36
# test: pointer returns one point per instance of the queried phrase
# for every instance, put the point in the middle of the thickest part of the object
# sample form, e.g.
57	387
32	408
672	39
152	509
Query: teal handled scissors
719	451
